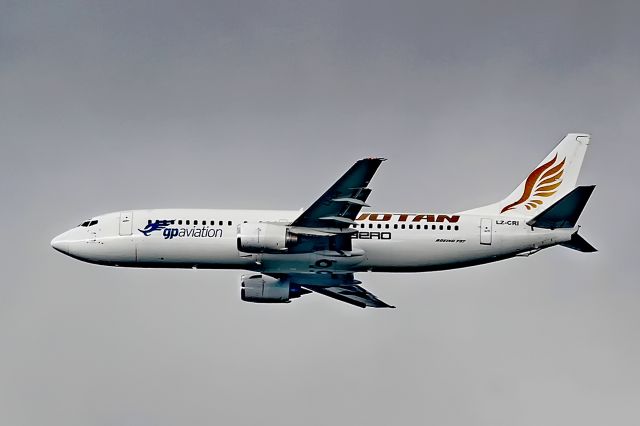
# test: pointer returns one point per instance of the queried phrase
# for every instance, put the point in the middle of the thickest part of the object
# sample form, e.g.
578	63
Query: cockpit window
93	222
85	223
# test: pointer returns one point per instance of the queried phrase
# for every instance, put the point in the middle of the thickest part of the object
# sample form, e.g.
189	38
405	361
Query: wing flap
352	294
338	219
355	201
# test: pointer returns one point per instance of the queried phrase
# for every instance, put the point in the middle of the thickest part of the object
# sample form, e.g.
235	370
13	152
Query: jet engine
264	289
265	238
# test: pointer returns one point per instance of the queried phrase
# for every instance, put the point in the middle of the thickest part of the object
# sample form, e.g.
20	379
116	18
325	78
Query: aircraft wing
339	286
340	204
338	207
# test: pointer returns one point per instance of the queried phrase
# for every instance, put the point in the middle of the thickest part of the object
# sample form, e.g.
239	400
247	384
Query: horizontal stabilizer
565	212
580	244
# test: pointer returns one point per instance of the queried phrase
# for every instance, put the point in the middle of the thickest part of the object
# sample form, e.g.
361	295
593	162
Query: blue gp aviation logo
156	226
169	232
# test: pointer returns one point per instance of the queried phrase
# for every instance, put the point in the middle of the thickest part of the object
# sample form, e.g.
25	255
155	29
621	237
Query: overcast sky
108	106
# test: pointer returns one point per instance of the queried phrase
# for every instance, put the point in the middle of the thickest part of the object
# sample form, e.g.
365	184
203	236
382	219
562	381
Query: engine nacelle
264	238
265	289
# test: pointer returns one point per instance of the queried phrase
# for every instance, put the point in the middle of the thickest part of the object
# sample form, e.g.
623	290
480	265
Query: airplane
319	250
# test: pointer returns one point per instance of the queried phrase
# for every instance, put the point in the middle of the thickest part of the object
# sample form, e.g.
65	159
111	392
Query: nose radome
59	244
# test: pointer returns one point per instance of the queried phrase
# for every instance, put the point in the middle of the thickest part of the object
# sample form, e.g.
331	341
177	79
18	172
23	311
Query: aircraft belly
426	254
322	261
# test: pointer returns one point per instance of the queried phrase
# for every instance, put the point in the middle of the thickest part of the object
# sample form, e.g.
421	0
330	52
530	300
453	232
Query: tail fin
554	178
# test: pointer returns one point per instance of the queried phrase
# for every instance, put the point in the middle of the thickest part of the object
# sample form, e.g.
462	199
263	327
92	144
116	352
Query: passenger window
441	227
395	226
180	222
456	227
187	222
213	222
448	227
379	226
433	227
149	222
417	226
402	226
195	222
230	223
410	226
362	226
386	226
221	223
371	225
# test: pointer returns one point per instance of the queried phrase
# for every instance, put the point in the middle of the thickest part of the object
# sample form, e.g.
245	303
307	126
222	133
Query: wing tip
384	306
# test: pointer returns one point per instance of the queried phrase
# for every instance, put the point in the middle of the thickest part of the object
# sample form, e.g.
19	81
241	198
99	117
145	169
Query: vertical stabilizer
551	180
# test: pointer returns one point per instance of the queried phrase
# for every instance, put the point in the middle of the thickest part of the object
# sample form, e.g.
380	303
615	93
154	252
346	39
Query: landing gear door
126	223
485	231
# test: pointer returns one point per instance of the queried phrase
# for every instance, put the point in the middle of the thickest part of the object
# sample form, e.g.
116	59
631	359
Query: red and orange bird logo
542	182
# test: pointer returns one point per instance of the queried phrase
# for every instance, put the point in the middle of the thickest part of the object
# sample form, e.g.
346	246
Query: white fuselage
399	242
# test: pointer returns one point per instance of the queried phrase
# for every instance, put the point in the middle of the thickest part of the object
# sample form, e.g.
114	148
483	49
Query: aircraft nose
59	244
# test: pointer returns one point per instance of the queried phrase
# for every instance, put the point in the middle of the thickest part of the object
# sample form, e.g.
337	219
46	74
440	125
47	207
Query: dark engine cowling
265	238
265	289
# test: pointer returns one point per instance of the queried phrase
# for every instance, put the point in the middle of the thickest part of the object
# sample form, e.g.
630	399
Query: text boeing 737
292	253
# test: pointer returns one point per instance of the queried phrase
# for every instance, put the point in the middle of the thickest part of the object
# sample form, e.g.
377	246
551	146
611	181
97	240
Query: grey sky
117	105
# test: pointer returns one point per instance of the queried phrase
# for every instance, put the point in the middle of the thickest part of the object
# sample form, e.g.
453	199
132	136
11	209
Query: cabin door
485	231
126	223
